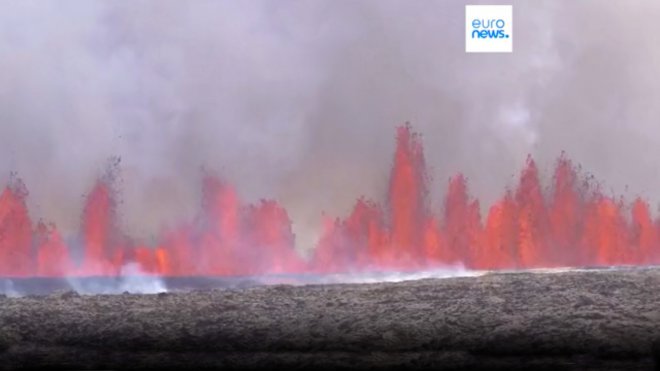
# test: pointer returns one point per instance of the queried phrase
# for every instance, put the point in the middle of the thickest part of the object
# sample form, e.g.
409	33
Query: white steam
132	279
8	289
375	277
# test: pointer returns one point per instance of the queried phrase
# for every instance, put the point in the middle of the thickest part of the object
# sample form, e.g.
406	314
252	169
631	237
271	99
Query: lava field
572	320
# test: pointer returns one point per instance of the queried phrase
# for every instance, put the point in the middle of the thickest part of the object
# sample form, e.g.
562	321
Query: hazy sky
298	100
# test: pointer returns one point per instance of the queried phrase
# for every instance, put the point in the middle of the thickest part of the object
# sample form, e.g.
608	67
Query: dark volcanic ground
574	320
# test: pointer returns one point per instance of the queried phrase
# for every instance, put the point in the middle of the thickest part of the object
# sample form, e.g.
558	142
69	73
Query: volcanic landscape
605	319
570	223
229	289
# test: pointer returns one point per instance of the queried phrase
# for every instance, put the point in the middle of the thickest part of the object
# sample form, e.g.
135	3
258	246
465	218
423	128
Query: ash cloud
298	100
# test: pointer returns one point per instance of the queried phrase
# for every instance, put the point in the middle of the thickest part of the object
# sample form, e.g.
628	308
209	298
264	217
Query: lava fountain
570	223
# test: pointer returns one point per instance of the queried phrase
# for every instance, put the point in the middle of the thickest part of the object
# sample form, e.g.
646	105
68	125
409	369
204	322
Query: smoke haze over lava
298	102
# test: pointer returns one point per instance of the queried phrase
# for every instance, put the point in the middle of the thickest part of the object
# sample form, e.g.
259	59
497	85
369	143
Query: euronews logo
488	28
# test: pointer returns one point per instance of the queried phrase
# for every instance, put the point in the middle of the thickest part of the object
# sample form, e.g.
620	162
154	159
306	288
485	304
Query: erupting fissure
570	224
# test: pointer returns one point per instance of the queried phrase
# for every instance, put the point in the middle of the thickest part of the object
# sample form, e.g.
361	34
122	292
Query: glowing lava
570	224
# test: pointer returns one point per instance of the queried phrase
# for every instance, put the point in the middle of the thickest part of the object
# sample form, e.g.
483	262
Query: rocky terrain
553	321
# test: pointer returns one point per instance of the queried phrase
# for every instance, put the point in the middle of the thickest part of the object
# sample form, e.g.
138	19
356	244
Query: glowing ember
573	224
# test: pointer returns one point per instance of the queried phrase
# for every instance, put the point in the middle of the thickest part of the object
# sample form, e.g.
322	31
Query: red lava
572	223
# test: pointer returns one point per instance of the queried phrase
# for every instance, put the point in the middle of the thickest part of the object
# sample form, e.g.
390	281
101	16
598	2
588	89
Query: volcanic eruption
570	223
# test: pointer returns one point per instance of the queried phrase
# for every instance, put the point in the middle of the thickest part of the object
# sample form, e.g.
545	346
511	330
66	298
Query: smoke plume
298	101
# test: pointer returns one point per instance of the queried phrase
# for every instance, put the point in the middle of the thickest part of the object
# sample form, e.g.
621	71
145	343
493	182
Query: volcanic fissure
571	223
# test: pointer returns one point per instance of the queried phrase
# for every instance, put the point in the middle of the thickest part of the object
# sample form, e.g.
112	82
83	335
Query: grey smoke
298	100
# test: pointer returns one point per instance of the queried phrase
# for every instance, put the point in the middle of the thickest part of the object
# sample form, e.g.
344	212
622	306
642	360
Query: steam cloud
131	279
298	100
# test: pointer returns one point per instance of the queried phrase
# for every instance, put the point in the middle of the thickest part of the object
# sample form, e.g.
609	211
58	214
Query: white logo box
488	28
